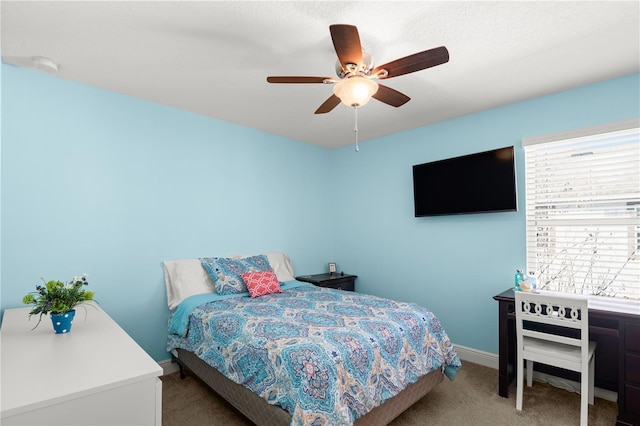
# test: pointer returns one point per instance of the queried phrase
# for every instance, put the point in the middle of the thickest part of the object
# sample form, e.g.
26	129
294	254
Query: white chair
547	344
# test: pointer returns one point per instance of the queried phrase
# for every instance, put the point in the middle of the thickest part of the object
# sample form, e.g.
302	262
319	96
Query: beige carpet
471	399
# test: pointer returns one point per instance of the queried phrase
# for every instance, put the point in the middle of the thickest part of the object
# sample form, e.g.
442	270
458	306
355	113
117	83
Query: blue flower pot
62	322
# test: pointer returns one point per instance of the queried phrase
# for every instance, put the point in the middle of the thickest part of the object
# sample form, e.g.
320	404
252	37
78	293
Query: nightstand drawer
343	284
337	281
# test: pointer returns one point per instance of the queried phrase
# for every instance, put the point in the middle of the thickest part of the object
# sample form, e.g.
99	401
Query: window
583	210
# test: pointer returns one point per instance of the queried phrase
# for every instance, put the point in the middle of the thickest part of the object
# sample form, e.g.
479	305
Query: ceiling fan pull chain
355	129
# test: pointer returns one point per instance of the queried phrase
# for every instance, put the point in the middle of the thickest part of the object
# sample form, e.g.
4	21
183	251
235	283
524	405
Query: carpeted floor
471	399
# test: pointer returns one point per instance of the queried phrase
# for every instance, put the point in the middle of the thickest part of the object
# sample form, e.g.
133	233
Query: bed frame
260	412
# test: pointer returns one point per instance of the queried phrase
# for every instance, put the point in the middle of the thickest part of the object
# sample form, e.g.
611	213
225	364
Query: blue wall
99	183
453	264
109	185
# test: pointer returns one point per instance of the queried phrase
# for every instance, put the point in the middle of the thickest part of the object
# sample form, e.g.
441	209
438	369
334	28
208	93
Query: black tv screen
476	183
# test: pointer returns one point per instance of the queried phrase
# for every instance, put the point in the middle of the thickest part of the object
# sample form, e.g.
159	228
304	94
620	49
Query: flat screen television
476	183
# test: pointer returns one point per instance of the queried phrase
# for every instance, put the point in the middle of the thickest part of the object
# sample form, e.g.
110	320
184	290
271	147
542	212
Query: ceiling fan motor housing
365	67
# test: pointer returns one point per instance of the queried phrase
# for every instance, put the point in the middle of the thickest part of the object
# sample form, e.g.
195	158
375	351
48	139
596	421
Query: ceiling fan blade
391	96
412	63
346	41
295	79
328	105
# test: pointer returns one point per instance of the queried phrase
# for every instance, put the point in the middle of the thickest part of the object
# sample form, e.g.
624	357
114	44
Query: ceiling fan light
355	91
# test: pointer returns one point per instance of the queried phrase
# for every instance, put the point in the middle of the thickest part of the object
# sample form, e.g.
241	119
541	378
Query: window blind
583	212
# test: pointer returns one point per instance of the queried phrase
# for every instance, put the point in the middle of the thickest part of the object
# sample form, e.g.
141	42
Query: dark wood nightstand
338	281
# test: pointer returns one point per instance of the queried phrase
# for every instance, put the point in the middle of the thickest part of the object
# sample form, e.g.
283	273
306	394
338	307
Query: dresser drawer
632	336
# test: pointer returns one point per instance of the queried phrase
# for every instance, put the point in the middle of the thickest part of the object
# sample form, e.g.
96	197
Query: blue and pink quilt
326	356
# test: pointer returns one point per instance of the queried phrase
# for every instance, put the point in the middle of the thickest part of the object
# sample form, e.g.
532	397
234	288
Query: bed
284	352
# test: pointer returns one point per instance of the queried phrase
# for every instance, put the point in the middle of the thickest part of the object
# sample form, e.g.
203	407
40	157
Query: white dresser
94	375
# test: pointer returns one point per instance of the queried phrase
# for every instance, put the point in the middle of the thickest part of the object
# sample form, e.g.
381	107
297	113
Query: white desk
96	374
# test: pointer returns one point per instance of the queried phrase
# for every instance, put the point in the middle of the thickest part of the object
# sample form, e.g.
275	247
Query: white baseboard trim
488	359
477	357
168	367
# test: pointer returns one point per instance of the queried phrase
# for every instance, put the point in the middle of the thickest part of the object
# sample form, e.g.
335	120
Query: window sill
614	305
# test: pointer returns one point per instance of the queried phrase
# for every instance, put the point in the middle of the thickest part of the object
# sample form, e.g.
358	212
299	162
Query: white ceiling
213	57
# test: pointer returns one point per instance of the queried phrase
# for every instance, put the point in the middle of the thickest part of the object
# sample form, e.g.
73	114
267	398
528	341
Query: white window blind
583	212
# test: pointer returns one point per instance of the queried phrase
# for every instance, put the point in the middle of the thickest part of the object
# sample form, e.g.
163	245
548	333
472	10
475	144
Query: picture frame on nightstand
332	268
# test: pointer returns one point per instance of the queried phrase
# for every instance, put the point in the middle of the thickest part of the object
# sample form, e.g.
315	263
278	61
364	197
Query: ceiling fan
357	76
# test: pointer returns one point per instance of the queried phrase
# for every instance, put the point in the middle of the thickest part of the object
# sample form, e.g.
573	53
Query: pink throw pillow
261	283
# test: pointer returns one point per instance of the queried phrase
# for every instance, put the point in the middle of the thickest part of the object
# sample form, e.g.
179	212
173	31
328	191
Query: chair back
558	311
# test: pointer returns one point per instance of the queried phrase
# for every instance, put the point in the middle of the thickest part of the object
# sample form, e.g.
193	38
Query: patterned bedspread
326	356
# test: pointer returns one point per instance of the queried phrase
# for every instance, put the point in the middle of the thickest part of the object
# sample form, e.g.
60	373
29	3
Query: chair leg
519	381
584	398
592	368
529	373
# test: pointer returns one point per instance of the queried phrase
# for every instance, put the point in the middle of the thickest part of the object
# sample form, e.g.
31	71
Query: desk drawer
632	368
632	336
632	396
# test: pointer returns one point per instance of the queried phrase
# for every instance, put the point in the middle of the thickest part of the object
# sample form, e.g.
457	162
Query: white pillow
282	265
185	278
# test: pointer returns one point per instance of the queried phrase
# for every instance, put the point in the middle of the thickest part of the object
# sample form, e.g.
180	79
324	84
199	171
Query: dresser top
40	368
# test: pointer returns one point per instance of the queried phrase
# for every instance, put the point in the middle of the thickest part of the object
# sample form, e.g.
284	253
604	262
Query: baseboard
491	360
168	367
477	357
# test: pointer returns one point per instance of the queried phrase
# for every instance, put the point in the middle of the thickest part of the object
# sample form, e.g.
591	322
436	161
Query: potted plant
60	300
